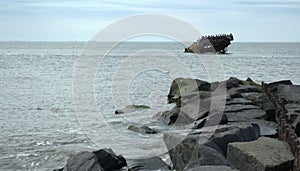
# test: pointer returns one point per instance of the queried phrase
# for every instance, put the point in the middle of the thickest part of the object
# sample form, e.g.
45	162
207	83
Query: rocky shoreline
227	125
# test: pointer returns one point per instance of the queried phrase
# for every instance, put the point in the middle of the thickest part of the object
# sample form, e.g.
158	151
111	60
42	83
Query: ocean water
42	122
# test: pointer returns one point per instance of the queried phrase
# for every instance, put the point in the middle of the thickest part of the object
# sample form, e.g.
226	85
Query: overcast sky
68	20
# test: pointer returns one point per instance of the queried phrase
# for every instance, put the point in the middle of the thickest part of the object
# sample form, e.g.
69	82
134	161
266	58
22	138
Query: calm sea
40	127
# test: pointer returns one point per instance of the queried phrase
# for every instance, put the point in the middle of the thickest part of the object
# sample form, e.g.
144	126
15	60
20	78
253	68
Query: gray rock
267	128
262	100
211	168
233	82
175	117
131	108
274	86
101	160
244	89
241	101
142	129
83	161
186	156
237	132
260	155
153	163
291	93
245	115
109	160
239	107
182	87
211	120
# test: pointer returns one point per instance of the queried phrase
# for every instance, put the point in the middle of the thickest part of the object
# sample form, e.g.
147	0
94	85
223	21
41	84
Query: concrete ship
212	44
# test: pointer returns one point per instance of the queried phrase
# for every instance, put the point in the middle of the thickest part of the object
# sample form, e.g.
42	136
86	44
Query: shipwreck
211	43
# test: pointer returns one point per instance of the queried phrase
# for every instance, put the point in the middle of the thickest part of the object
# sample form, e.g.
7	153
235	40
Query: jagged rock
238	132
181	87
244	89
273	86
263	154
241	101
267	128
194	109
184	149
245	115
262	100
142	129
101	160
239	107
109	160
83	161
186	156
291	93
131	108
211	120
249	81
233	82
211	168
175	117
153	163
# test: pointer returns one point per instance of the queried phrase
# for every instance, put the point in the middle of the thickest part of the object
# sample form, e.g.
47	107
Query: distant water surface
39	126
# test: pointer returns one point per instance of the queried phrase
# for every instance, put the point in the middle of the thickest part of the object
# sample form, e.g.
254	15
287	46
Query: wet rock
131	108
153	163
262	154
142	129
109	160
83	161
101	160
267	128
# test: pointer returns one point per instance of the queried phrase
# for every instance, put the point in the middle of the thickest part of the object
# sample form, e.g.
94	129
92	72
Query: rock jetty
227	125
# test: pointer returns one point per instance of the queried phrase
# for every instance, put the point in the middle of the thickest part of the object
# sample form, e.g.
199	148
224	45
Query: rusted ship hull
212	44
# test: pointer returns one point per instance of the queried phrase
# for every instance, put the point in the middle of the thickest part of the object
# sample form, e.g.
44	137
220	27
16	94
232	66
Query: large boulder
153	163
205	147
264	154
101	160
236	132
83	161
291	93
187	155
181	87
273	87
